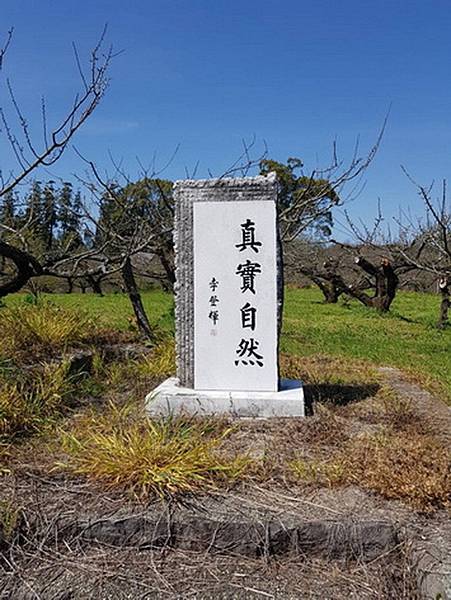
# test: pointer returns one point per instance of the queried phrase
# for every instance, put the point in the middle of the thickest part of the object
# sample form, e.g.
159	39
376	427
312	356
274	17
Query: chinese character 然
247	354
213	300
213	284
214	316
248	270
248	316
248	237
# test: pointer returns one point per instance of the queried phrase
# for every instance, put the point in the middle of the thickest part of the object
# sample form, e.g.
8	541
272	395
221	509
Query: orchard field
405	338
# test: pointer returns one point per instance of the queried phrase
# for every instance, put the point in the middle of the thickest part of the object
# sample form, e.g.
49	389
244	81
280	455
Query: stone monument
228	300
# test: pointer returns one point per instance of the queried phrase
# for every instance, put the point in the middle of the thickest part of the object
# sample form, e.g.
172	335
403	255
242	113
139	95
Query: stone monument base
170	398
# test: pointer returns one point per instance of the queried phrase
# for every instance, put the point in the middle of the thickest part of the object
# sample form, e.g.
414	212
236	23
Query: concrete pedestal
170	398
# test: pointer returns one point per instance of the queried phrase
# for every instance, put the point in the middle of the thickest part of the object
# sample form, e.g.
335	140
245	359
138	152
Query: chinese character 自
248	316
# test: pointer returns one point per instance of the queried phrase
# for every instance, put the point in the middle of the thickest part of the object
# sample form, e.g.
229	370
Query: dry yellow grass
161	361
146	458
398	458
135	377
28	330
30	403
378	442
321	369
406	466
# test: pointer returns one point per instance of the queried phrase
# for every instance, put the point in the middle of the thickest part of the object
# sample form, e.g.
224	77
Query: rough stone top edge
267	180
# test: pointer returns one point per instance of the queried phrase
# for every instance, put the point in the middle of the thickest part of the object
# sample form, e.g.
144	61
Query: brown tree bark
70	285
385	287
27	267
445	304
330	291
132	290
168	267
96	284
330	284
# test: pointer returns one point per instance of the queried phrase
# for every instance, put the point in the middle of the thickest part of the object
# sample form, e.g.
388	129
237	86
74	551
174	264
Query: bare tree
309	198
125	220
444	287
309	260
366	273
378	262
432	237
120	240
29	154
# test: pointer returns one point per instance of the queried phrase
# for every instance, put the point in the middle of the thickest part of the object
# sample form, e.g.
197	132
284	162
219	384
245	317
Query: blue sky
206	73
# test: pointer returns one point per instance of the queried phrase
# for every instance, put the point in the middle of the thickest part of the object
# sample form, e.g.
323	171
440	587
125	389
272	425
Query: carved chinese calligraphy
248	241
248	272
235	296
214	301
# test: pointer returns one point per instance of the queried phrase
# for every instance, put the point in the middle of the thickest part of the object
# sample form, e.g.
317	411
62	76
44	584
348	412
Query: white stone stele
217	228
169	398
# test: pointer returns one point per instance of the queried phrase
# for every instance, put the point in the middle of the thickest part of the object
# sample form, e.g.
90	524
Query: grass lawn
405	338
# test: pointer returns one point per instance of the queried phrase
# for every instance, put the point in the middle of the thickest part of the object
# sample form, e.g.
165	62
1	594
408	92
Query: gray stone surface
431	558
186	193
169	398
345	540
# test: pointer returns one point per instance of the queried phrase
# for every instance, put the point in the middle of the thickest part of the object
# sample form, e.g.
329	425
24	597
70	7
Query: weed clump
32	401
147	457
10	518
31	330
161	362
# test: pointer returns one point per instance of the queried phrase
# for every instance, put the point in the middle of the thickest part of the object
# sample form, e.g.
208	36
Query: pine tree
69	217
8	211
49	215
33	218
65	208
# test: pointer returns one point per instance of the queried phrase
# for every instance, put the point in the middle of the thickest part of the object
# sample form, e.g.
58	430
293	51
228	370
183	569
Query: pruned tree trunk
386	284
445	305
132	290
26	268
96	284
70	285
330	284
330	291
169	269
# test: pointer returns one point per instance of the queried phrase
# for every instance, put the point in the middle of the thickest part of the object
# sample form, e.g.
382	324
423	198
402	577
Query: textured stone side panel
186	193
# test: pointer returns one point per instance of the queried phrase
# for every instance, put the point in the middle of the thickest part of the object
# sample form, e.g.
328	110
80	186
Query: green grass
113	310
405	338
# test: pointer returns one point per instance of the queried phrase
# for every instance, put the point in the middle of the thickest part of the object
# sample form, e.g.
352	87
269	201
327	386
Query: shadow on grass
336	394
